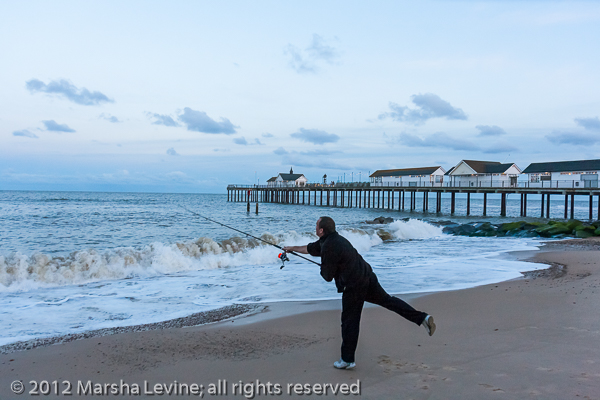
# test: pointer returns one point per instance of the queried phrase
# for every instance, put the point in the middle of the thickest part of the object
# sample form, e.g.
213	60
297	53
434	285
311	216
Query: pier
363	195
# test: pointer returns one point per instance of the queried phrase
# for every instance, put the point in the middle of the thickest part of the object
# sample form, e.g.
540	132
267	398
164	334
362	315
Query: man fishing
354	278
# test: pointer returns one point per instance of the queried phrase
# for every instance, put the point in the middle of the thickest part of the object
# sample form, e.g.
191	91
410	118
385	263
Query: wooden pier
405	198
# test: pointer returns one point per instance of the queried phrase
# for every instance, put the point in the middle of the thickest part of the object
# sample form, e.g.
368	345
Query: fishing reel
283	257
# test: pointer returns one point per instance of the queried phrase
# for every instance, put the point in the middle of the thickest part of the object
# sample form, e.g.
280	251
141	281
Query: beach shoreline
245	313
533	337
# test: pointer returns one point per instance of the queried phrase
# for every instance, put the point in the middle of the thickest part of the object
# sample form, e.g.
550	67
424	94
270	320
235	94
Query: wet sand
536	337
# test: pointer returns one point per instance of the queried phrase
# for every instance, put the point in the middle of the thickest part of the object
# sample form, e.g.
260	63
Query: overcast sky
188	96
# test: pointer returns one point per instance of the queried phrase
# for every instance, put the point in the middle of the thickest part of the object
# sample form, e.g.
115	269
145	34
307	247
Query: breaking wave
19	272
414	229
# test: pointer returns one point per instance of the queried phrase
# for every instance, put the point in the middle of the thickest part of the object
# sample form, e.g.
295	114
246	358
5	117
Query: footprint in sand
545	369
494	389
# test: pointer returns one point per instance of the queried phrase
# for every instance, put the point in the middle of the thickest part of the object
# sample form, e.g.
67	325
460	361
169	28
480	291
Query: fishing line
282	256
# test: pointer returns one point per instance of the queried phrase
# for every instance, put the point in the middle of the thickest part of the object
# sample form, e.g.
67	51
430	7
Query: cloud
53	126
257	142
396	114
280	151
316	53
574	138
25	133
267	135
490	130
240	140
319	152
200	122
315	136
501	148
165	120
429	106
171	151
69	91
439	139
110	118
592	124
319	50
319	163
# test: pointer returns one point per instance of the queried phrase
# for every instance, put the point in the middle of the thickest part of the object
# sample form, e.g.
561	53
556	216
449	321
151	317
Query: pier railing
401	197
475	183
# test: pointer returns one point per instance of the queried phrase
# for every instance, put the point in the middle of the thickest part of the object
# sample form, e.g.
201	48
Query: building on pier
421	177
288	180
472	173
564	174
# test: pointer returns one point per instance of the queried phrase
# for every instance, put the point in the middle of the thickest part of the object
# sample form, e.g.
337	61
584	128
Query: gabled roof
405	171
290	177
563	166
450	171
272	179
487	167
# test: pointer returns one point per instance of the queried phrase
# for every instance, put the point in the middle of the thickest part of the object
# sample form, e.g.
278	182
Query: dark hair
327	224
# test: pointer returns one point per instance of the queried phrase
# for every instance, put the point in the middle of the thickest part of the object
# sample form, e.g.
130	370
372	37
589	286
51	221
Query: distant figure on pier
355	278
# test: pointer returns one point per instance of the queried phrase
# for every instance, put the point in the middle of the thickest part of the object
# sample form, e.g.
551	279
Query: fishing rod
282	256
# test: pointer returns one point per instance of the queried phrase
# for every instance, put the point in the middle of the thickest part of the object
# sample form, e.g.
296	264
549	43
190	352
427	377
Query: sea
72	262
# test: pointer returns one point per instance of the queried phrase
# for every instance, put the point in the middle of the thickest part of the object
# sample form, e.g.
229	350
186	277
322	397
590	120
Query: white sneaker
429	325
343	364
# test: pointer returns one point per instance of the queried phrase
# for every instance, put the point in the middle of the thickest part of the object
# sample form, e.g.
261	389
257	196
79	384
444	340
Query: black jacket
340	261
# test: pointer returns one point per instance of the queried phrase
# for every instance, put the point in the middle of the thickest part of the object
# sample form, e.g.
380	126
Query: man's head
325	225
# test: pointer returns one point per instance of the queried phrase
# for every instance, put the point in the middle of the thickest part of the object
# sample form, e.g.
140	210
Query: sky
190	96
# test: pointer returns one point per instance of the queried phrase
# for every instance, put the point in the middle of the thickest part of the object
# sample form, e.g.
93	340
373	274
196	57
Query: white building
287	180
564	174
471	173
419	177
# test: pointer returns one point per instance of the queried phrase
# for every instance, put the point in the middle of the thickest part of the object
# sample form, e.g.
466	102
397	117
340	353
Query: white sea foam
19	272
414	229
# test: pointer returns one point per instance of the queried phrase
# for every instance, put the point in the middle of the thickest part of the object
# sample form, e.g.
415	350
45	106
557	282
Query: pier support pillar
453	203
542	205
503	205
468	203
572	205
484	204
521	205
524	204
403	196
591	206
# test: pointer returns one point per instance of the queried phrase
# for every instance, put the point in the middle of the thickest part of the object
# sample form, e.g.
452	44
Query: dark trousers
353	300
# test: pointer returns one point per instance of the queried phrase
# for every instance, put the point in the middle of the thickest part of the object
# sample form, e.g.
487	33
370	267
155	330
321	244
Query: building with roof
472	173
419	177
287	180
564	174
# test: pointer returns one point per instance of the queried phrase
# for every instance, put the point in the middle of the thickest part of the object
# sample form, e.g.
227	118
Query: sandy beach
536	337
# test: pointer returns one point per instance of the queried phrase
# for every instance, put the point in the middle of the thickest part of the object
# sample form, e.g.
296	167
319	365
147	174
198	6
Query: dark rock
573	223
381	220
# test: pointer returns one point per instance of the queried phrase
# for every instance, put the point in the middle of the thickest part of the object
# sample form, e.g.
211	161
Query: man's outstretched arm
296	249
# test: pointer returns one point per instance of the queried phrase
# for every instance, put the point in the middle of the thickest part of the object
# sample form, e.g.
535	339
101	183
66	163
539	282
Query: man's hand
296	249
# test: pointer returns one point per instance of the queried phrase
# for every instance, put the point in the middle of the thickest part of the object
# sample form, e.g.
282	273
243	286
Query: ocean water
77	261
